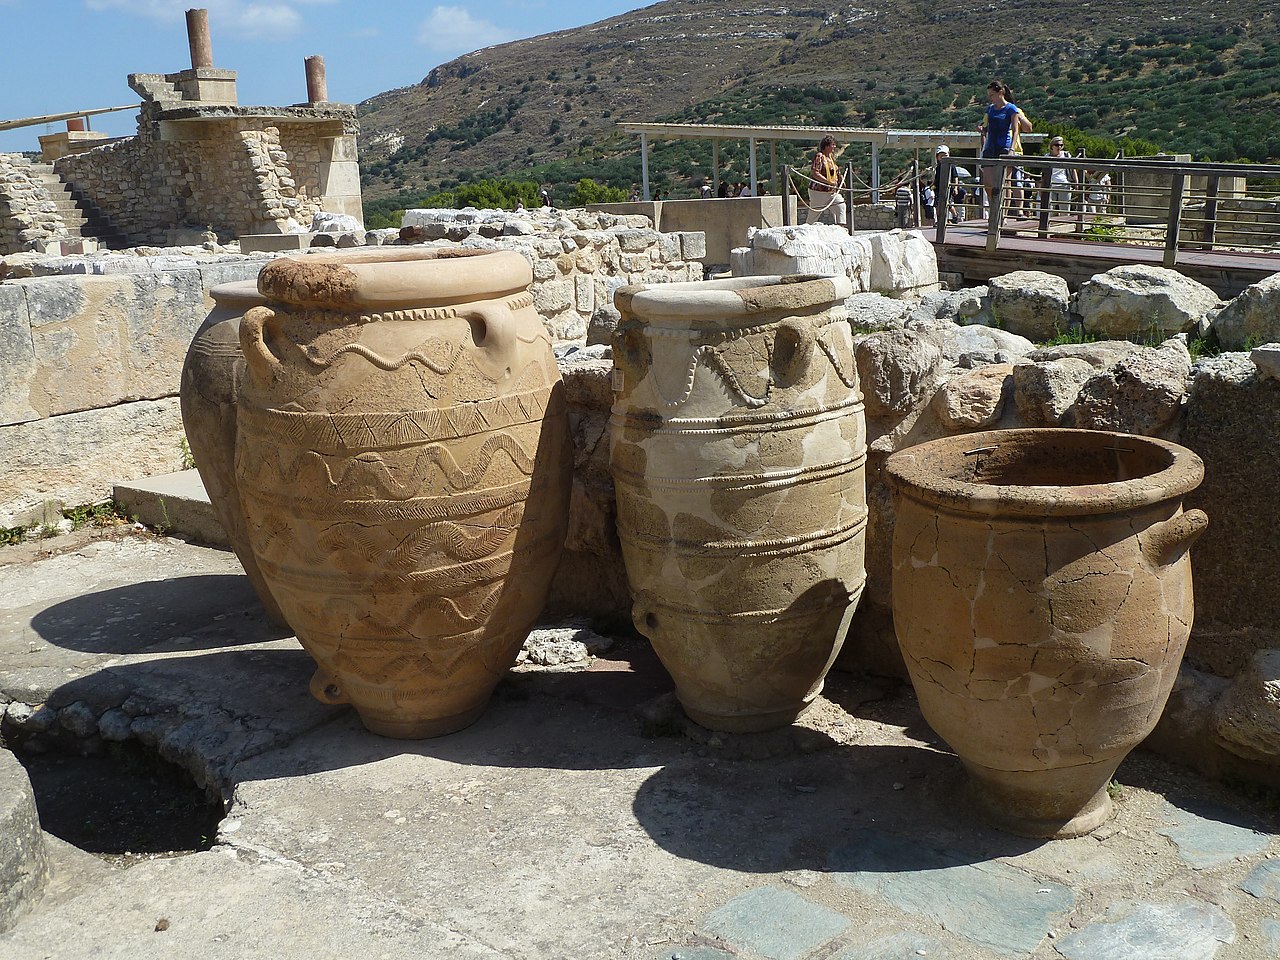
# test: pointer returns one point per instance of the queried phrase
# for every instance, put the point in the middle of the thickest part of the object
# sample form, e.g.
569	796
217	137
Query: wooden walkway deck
964	252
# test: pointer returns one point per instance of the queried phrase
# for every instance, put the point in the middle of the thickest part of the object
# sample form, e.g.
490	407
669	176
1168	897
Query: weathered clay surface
1031	303
211	376
737	453
1252	318
1143	302
404	471
1042	598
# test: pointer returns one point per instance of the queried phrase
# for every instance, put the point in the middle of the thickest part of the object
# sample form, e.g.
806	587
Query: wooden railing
1148	202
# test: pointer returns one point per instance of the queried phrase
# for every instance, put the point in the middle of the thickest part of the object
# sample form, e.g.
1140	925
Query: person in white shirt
1061	180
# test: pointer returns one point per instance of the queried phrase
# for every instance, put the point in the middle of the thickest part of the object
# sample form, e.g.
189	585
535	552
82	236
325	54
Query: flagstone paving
573	820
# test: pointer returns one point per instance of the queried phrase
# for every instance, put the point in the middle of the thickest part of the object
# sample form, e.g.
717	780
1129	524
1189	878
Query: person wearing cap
825	203
1061	180
945	197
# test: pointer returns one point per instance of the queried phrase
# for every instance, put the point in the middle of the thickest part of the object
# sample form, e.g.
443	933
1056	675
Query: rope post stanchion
786	194
848	179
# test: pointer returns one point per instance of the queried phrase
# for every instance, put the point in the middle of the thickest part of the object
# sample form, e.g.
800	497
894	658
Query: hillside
1204	80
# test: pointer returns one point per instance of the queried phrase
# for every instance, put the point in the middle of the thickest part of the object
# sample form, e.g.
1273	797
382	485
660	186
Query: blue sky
65	55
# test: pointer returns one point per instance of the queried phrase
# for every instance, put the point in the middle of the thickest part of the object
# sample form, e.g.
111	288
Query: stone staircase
83	220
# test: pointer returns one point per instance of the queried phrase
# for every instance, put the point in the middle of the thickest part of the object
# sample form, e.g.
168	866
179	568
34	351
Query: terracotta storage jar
738	446
1042	600
404	464
211	375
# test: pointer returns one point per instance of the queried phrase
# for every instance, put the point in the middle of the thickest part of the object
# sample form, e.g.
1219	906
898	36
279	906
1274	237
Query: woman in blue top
997	131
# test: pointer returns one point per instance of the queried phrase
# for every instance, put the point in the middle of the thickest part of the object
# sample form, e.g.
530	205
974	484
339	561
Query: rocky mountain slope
1197	77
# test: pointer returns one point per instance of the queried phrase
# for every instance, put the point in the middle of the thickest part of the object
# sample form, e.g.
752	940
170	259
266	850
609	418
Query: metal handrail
1198	218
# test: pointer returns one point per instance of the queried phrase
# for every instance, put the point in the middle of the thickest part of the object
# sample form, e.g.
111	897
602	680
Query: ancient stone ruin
199	163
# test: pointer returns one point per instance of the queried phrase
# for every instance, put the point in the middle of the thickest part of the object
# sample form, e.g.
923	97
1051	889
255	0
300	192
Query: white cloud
452	30
251	18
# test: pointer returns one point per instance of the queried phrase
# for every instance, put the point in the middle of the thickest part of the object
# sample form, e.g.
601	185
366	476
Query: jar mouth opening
1045	471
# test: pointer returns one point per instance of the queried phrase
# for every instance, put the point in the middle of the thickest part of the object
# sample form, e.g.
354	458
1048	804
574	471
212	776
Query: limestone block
1031	303
1101	354
1142	393
1043	392
584	293
815	249
24	868
17	356
693	245
1233	422
1267	359
1144	303
875	311
633	241
552	296
902	261
76	458
982	343
975	398
1252	318
970	305
668	247
896	369
1248	715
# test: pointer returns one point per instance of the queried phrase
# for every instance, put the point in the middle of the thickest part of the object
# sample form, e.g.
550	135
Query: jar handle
643	615
493	328
264	366
792	350
1164	542
326	689
628	350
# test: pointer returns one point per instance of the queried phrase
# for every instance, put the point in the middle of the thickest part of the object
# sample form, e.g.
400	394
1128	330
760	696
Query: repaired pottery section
404	463
1042	599
738	446
211	378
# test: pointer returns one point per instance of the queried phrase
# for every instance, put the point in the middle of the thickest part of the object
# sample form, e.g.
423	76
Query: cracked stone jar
1042	600
404	462
737	448
211	376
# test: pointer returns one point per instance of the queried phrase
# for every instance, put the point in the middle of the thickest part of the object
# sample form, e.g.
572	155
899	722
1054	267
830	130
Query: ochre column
198	38
317	85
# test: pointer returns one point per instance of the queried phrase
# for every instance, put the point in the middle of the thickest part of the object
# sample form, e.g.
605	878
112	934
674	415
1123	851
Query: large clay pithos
211	376
738	446
404	464
1042	600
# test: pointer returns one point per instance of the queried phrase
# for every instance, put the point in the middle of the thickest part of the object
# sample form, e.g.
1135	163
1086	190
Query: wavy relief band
763	421
338	318
369	471
443	507
765	480
850	380
770	546
838	596
346	431
390	364
449	537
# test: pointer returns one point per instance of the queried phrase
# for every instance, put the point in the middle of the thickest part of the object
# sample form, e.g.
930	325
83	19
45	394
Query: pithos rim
978	473
734	297
394	279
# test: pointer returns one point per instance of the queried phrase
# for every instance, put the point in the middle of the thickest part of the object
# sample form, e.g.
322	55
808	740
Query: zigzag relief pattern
346	431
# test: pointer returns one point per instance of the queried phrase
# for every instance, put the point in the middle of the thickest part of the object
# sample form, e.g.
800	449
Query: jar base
422	728
1055	804
746	722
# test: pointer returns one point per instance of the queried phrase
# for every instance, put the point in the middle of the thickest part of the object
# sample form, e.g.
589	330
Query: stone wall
91	370
239	176
578	258
28	216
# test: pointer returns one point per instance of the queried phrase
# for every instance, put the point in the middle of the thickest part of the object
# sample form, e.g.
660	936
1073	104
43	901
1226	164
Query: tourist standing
946	196
825	203
997	129
1061	179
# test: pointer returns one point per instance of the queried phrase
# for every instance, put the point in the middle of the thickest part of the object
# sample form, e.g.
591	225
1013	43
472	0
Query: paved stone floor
579	818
